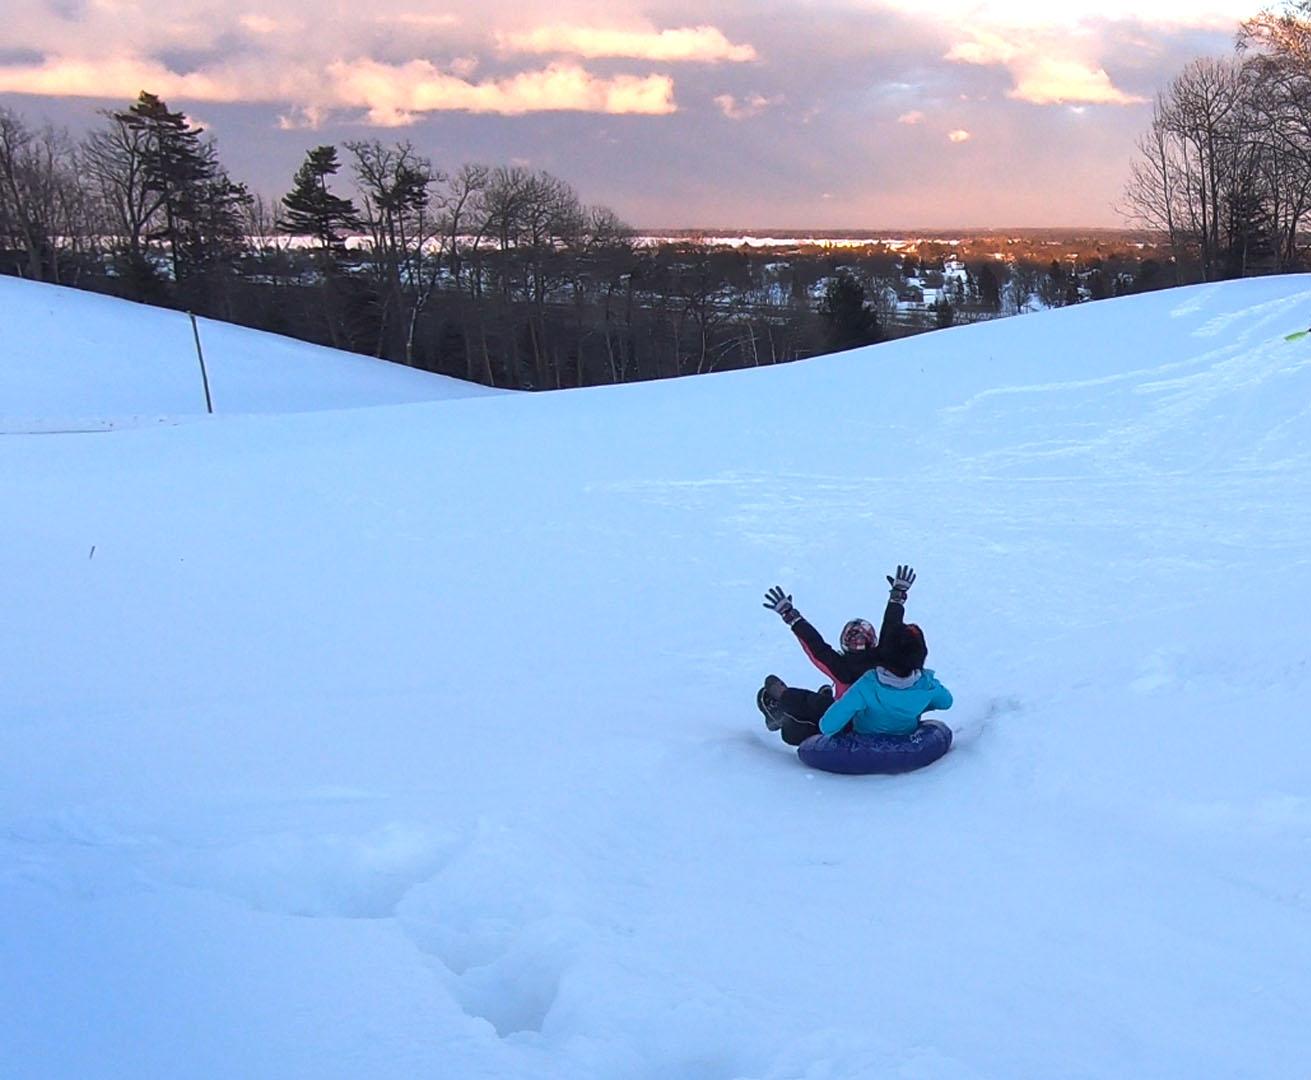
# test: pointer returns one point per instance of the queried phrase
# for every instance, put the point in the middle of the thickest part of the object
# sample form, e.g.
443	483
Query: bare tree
114	161
405	236
1204	110
1025	278
465	224
270	246
1278	89
610	264
535	219
41	211
1286	34
463	217
1195	157
1151	197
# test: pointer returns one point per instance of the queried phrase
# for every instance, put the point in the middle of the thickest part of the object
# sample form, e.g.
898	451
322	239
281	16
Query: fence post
204	375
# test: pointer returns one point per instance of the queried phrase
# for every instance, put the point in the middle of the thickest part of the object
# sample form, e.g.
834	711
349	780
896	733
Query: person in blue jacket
795	712
890	698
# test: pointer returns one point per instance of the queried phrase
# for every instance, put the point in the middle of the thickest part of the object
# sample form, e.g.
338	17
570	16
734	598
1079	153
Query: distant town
916	280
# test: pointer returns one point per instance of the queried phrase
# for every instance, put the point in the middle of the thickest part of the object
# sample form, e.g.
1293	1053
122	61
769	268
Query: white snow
74	360
419	740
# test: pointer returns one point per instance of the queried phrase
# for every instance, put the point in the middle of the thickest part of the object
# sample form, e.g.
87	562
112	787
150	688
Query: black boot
769	710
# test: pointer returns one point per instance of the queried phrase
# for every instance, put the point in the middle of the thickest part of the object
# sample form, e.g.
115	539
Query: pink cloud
1043	69
700	43
392	94
1053	81
752	105
121	77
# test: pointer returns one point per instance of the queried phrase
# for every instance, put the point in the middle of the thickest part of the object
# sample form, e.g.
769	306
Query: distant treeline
499	275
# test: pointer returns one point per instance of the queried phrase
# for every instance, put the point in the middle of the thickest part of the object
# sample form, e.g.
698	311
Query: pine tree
850	321
176	166
989	288
1148	277
312	210
944	315
215	241
1098	289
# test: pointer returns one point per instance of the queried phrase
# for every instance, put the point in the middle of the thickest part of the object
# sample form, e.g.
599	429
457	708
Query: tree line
1224	169
496	274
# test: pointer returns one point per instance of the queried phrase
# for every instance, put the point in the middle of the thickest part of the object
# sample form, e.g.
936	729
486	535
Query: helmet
857	635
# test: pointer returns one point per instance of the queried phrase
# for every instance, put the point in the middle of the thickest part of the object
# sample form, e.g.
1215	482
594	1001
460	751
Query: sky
715	113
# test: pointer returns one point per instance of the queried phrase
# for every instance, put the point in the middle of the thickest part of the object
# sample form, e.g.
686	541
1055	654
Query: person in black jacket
796	712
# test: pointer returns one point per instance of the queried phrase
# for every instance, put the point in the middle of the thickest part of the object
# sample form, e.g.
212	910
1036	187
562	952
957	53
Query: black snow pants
801	711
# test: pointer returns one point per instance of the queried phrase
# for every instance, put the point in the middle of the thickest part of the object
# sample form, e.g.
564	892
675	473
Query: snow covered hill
75	360
419	740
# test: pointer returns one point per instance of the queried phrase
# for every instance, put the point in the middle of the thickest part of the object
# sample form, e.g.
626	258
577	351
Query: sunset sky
718	113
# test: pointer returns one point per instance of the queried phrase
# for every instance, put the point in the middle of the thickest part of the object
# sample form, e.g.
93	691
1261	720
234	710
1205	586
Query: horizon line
789	231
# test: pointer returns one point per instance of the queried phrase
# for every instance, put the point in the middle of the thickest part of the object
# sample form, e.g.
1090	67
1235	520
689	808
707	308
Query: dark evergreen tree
215	242
989	288
177	167
349	308
1097	286
310	209
848	319
1148	277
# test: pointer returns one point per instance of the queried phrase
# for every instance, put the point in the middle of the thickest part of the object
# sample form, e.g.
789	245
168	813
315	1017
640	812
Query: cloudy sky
715	113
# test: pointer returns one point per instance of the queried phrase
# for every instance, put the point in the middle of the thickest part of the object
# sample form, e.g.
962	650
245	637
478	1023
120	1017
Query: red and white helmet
858	634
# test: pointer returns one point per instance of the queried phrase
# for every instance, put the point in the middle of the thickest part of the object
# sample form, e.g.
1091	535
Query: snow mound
72	360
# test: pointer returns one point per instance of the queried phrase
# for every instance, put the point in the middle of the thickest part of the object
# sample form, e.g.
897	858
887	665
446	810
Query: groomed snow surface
418	740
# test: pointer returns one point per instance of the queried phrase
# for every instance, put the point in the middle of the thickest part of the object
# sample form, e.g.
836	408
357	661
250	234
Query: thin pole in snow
204	375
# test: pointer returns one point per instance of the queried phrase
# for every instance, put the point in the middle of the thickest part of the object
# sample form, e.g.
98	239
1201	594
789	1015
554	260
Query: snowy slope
419	740
71	359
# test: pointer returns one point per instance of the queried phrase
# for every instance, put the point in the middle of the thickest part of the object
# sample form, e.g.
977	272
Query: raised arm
894	615
821	654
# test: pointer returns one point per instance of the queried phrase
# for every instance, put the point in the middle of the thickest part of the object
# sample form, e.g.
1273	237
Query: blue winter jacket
874	707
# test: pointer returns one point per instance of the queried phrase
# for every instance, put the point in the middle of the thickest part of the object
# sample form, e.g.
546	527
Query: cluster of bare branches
44	210
1224	170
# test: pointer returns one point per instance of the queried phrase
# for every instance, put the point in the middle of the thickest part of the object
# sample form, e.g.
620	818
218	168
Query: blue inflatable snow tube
856	755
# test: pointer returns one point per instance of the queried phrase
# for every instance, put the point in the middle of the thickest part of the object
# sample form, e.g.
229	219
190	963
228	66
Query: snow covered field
76	361
419	740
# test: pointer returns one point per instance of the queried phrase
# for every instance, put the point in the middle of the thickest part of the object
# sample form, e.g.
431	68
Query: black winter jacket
844	668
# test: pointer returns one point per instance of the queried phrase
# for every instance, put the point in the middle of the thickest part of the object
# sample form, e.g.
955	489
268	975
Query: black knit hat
907	653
